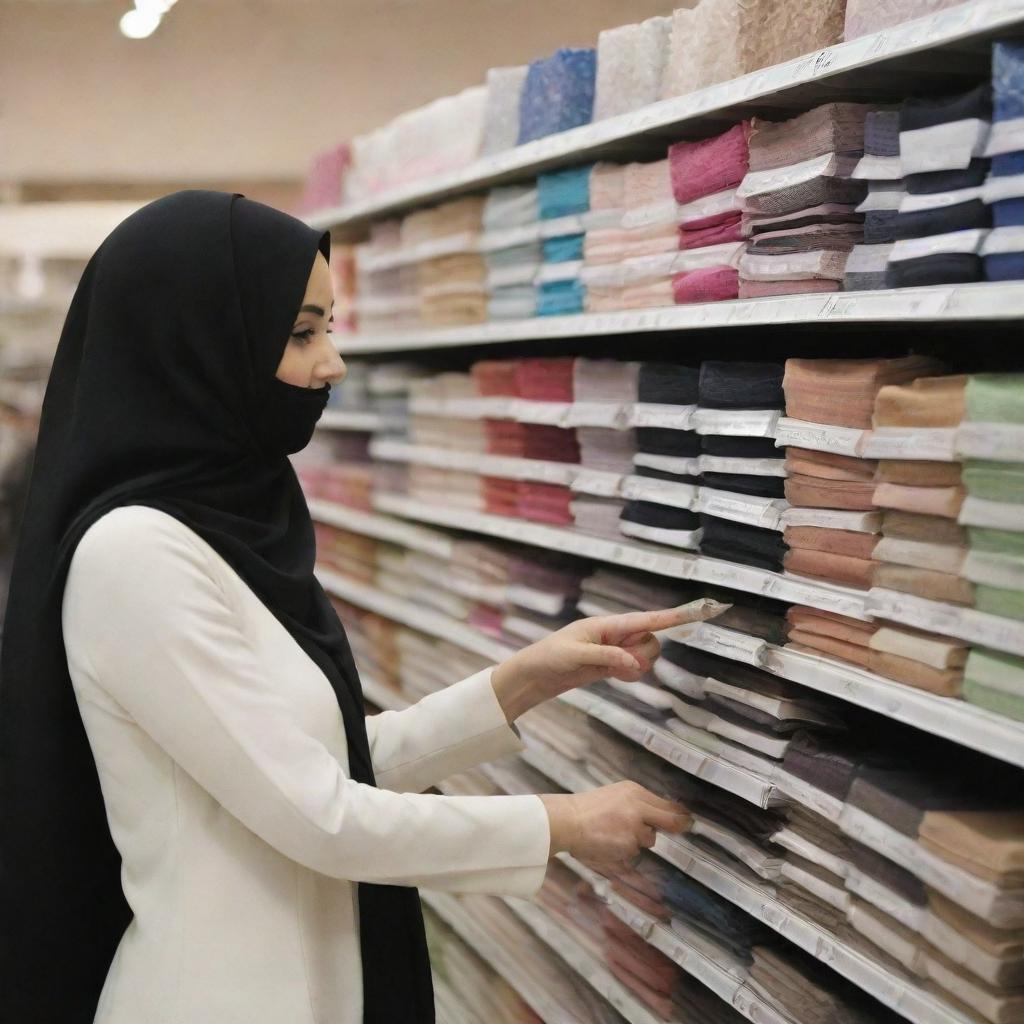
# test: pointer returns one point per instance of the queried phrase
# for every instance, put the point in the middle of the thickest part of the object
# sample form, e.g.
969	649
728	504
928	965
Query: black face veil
159	396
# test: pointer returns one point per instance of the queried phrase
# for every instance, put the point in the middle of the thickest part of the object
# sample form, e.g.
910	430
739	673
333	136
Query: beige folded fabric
928	648
926	402
988	844
828	466
932	529
929	501
935	586
830	624
918	473
834	542
857	572
921	554
813	492
944	682
999	1006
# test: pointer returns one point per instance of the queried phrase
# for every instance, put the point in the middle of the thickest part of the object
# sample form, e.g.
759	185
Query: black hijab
163	393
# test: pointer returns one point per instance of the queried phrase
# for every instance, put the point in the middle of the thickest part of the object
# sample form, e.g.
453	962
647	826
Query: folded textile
501	113
563	248
864	16
703	47
540	380
558	94
630	60
737	542
941	220
995	398
901	796
816	492
994	954
829	128
1009	705
828	465
942	268
775	31
669	525
927	583
560	298
994	481
754	485
855	572
929	182
874	865
667	384
605	380
834	542
932	501
740	385
987	844
763	289
930	529
945	133
709	166
919	473
563	193
667	441
865	267
610	451
729	230
924	402
545	503
710	284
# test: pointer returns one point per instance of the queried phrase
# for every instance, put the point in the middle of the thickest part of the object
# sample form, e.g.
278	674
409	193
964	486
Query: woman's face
310	359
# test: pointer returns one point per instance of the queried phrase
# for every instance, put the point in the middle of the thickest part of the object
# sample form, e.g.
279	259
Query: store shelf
908	58
356	419
372	524
451	910
949	304
955	720
580	960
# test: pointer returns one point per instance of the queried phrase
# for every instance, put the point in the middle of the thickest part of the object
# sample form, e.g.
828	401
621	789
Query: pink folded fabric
652	240
603	246
544	380
711	284
711	219
649	294
712	165
607	186
760	289
647	183
727	231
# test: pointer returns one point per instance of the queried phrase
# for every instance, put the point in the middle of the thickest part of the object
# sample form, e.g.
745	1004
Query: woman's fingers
608	657
667	821
618	629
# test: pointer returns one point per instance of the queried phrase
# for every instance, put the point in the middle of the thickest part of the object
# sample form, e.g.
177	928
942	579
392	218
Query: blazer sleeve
147	619
441	734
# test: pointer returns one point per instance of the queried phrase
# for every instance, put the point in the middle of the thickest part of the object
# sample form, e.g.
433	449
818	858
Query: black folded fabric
729	447
929	182
631	703
882	133
668	384
741	385
665	441
750	717
886	872
747	483
940	221
863	281
942	268
647	513
760	226
723	808
737	542
879	226
660	474
926	113
829	765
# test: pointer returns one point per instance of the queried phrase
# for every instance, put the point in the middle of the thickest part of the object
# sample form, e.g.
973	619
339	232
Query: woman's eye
303	336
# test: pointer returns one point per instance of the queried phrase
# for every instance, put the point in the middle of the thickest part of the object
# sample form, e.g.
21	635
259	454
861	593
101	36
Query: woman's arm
146	619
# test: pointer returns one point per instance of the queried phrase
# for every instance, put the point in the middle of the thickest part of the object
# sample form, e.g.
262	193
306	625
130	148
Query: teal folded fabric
563	248
996	601
995	481
562	193
996	701
1001	542
995	398
558	298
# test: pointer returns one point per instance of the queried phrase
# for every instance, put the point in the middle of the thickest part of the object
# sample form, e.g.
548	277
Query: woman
200	825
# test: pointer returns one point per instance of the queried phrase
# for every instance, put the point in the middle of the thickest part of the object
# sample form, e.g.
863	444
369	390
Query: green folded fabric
995	398
995	481
1004	704
996	601
1001	542
996	671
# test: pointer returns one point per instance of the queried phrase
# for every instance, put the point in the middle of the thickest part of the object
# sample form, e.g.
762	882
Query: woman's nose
333	370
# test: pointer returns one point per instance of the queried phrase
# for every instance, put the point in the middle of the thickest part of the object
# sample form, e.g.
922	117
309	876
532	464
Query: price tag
936	444
737	422
820	437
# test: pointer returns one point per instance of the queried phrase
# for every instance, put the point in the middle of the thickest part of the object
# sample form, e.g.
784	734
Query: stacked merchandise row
846	196
865	842
632	67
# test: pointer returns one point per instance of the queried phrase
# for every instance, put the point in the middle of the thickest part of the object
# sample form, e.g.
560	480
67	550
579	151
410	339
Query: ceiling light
137	24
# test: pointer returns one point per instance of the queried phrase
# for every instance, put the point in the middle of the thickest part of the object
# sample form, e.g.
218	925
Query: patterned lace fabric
630	61
501	114
703	47
774	31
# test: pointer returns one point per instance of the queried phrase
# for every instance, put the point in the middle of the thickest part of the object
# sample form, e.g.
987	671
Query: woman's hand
611	824
621	646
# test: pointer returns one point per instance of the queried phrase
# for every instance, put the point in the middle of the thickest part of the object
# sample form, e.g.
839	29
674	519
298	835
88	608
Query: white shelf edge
355	419
952	719
373	524
983	301
450	909
935	30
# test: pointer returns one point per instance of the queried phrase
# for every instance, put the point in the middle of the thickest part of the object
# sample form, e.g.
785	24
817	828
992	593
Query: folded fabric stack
741	467
1003	191
612	384
604	244
558	94
545	380
832	527
501	111
774	31
880	167
385	299
351	554
703	47
562	197
630	62
325	181
800	197
452	287
511	252
705	176
435	431
943	220
650	235
495	378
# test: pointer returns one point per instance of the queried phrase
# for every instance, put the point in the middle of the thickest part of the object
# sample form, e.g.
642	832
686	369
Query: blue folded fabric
558	94
1005	266
1008	212
563	248
562	193
1007	164
558	298
941	268
1008	80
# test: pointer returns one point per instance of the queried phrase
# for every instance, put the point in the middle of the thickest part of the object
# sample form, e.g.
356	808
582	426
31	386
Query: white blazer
222	758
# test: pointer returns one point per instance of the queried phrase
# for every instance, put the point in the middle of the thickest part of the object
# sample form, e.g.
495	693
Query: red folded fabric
712	165
494	377
728	230
544	380
545	503
711	284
